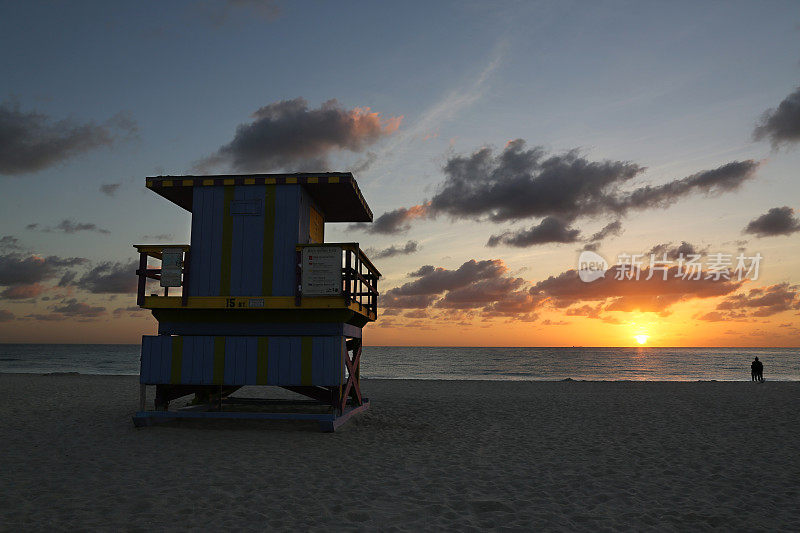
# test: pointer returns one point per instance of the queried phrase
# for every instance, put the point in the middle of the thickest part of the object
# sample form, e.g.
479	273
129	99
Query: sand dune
428	455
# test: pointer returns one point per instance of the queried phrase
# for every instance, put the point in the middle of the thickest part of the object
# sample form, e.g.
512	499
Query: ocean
513	364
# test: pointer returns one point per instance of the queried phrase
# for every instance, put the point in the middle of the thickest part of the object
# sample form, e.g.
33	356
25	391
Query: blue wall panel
287	204
241	360
251	362
206	240
273	367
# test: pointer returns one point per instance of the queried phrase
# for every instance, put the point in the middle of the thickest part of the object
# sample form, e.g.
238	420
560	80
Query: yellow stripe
249	181
187	183
227	244
291	180
219	360
166	183
228	181
312	180
177	360
267	252
149	183
208	182
334	179
306	360
269	181
262	362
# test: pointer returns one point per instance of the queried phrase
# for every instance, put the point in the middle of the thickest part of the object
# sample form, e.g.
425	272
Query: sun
641	339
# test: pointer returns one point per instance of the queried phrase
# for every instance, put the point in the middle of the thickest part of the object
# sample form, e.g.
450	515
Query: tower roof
336	193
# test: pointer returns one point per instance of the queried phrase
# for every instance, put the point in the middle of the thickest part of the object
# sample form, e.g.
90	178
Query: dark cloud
110	189
480	293
610	229
656	294
288	135
6	316
110	278
9	243
133	311
484	285
22	292
584	310
673	251
520	183
549	230
31	141
761	302
17	269
69	226
72	308
363	164
776	221
781	125
409	248
393	222
158	237
728	177
67	279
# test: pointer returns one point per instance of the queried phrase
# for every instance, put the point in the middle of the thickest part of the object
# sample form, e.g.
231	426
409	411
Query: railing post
185	283
142	272
347	276
298	277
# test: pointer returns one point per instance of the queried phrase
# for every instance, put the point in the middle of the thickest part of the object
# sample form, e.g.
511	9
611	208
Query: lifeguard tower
264	299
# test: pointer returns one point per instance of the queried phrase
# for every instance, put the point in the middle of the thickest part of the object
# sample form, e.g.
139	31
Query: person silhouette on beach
757	371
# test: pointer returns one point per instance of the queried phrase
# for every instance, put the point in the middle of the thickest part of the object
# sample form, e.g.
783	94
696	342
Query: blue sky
673	86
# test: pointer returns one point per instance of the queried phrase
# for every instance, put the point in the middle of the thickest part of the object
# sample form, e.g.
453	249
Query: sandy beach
429	455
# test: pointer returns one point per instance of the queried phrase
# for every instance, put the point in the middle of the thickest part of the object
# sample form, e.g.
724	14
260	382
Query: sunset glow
641	339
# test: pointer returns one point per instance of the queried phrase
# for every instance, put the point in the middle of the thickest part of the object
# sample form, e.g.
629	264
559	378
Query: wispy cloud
431	119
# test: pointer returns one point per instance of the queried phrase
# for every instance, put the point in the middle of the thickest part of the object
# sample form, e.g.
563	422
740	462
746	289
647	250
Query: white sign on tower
322	271
171	267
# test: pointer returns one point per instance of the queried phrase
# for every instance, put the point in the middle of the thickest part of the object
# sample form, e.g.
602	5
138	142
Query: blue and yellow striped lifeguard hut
264	300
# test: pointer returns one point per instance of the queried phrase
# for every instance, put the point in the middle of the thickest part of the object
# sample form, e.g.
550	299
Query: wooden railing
359	276
156	252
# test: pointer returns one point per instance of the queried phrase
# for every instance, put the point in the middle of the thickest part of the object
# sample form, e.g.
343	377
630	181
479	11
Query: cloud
110	189
17	269
111	278
133	311
9	243
673	251
520	183
549	230
22	292
610	229
393	222
654	295
455	101
289	135
409	248
776	221
781	125
31	141
484	285
761	302
6	316
69	226
158	237
74	309
362	165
